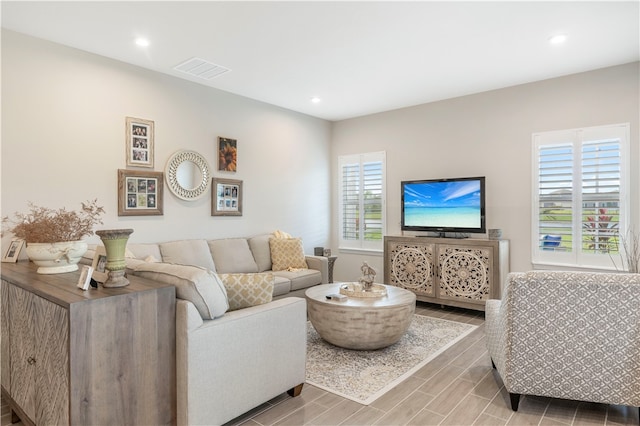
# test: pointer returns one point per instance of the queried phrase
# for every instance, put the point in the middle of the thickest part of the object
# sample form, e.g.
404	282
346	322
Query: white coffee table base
360	323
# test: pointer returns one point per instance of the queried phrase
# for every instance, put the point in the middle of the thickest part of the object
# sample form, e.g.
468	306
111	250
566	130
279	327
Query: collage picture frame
140	142
140	193
226	197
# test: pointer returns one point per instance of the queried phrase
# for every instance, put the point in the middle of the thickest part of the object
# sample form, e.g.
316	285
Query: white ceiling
358	57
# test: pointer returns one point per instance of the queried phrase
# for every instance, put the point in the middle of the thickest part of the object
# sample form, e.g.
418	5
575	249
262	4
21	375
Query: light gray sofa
234	255
230	361
569	335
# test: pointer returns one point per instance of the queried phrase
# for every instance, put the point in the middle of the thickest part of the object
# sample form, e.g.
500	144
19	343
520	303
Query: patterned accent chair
570	335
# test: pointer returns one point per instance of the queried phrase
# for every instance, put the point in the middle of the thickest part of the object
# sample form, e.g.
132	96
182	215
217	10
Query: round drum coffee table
363	323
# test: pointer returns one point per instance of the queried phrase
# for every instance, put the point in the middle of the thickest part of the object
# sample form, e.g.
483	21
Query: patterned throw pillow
244	290
287	253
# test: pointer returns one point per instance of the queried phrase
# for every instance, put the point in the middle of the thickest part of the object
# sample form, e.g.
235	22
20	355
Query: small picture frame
85	277
140	193
99	265
227	154
226	197
140	149
12	253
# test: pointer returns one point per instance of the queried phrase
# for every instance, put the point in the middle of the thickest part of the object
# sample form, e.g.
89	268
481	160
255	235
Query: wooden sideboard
103	356
448	271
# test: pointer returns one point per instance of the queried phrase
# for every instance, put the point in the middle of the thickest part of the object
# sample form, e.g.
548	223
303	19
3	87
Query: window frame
577	257
361	244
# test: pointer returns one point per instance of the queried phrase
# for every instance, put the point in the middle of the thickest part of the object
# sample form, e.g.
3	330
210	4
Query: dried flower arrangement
630	253
45	225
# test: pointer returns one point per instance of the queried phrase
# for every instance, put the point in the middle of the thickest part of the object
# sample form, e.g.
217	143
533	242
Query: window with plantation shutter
580	196
361	187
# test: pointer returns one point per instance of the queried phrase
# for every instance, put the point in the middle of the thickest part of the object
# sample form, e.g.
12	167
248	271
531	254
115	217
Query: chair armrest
495	331
319	263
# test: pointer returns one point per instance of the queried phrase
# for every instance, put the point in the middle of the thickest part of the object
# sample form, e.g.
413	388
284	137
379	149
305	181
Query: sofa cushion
301	278
232	255
200	286
287	253
281	285
245	290
188	252
144	250
132	263
261	251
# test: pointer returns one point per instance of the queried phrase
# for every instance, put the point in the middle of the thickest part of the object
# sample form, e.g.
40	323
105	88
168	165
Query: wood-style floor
459	387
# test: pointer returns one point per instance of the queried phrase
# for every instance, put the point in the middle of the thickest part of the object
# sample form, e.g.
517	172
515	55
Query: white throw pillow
198	285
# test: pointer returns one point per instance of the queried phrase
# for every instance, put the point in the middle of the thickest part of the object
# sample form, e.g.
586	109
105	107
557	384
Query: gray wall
63	140
487	134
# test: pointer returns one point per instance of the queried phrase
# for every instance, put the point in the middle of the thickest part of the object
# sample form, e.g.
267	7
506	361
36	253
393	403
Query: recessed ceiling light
142	42
558	39
316	100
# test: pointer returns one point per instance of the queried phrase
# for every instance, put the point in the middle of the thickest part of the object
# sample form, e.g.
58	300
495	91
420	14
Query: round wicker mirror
188	175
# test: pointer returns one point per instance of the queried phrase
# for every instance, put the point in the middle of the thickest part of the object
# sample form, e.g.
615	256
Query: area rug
364	376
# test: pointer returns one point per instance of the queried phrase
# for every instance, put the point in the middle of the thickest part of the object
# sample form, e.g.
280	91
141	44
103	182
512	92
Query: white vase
56	258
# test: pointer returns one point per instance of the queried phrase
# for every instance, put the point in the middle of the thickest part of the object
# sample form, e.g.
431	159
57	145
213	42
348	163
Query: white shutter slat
361	198
580	180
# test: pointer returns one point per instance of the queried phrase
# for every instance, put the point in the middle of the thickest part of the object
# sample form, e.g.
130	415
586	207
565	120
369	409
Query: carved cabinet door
412	267
39	357
464	273
22	349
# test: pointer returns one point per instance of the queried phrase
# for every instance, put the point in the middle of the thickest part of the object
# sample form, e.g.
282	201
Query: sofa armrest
187	316
229	365
319	263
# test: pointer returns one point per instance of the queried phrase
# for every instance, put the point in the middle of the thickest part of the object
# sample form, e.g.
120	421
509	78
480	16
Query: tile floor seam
606	416
362	409
401	401
488	373
432	412
544	412
484	413
497	395
463	397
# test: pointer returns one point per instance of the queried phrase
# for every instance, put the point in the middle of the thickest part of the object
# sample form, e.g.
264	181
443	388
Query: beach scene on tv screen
443	204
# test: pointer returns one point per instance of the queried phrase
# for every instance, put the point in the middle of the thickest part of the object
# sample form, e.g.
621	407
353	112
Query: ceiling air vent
200	68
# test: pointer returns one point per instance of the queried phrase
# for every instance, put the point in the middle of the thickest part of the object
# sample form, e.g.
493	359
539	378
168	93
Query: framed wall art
140	193
227	154
226	199
12	253
139	142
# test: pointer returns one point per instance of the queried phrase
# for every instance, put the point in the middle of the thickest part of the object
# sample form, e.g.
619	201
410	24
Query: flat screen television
444	205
